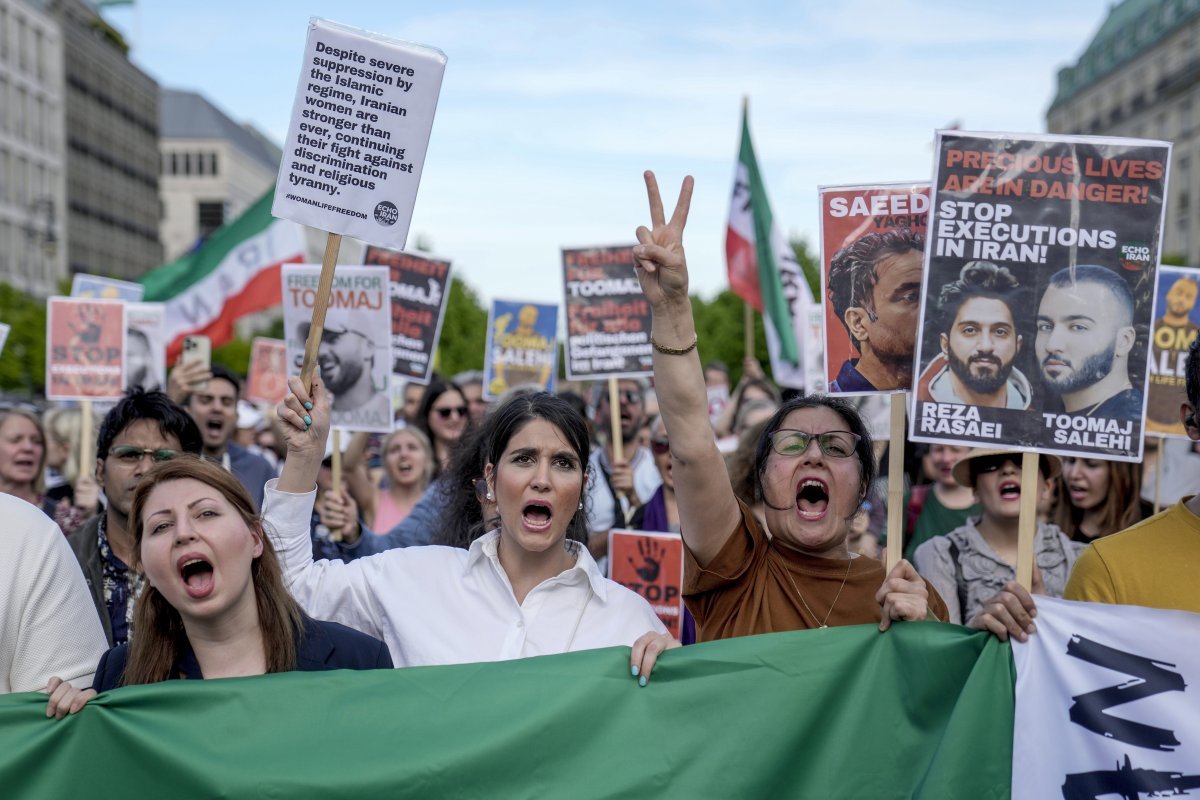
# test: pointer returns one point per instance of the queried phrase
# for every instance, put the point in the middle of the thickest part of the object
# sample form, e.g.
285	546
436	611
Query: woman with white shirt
528	588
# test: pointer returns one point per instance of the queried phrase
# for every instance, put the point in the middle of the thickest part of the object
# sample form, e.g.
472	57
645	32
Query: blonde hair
39	480
422	439
65	426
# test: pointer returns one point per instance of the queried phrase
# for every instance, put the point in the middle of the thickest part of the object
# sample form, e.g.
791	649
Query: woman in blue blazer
214	605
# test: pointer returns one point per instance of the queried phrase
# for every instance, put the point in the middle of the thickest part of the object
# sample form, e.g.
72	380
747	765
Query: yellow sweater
1155	563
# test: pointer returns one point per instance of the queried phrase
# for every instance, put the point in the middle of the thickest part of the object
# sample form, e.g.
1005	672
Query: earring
490	496
581	505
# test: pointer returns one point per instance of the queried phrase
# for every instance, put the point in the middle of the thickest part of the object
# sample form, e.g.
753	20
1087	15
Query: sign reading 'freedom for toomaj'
420	289
359	131
608	317
355	350
1039	285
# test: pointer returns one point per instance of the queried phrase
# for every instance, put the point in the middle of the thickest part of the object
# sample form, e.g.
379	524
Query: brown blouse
746	589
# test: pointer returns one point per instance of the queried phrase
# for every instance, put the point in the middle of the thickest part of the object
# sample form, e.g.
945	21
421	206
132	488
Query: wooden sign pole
87	440
614	407
332	244
895	510
337	460
1159	463
1027	522
748	329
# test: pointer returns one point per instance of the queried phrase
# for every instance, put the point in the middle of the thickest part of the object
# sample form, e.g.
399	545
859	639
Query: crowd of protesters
209	538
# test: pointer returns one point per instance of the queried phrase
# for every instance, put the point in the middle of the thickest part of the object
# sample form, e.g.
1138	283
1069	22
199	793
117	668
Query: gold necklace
836	597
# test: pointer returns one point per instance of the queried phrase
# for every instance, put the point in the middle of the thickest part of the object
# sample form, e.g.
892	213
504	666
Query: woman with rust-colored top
814	466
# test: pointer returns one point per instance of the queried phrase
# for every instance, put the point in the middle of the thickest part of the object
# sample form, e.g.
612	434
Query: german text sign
420	288
608	317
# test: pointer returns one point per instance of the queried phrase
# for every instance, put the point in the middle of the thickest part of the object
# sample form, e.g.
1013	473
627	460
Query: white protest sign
145	346
355	354
1107	702
359	131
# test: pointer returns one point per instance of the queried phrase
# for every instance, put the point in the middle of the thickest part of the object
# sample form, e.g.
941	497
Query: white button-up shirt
444	605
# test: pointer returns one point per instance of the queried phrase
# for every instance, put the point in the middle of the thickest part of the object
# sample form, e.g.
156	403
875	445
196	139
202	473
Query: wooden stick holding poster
614	409
352	161
87	440
336	460
1159	463
895	510
1027	521
328	265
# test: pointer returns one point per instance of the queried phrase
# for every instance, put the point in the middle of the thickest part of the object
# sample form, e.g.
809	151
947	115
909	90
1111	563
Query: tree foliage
23	361
464	331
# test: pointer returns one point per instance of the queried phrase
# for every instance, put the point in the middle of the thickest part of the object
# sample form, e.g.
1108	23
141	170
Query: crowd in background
210	538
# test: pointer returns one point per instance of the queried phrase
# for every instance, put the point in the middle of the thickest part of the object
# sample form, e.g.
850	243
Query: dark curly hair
852	275
979	279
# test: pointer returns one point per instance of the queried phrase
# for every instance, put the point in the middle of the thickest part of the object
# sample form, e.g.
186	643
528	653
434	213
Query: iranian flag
764	272
234	273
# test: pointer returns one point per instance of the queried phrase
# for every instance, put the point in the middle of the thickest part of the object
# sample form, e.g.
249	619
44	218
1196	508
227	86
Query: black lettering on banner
1127	782
1150	678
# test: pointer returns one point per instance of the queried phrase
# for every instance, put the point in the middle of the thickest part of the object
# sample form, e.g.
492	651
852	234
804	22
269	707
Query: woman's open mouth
536	515
197	574
1010	490
812	499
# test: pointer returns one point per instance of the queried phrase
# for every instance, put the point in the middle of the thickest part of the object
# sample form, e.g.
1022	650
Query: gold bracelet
675	351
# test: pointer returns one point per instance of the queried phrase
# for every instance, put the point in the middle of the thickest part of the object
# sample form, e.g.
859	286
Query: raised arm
328	590
708	511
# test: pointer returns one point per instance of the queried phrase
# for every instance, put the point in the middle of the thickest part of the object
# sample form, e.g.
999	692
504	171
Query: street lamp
40	237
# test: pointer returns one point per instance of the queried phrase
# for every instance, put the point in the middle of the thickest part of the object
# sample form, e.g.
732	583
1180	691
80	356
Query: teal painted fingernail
306	426
307	420
642	681
633	671
308	405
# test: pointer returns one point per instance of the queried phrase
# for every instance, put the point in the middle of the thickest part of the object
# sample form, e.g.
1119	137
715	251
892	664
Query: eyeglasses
630	395
446	413
835	444
130	455
660	447
981	466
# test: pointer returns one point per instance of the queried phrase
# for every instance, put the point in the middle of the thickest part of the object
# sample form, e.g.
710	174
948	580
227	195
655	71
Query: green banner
923	710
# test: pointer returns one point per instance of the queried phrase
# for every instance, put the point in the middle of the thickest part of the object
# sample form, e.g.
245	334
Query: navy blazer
324	646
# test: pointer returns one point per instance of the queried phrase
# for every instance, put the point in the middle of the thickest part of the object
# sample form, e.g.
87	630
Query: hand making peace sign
660	262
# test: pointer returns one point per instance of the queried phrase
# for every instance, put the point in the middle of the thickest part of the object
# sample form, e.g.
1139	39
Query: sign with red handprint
650	564
85	349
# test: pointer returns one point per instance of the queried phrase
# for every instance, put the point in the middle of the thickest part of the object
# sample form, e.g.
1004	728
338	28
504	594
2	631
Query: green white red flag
764	272
234	273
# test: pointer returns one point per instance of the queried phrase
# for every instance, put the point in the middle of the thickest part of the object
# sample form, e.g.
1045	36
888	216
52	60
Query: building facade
212	169
111	106
1140	77
32	167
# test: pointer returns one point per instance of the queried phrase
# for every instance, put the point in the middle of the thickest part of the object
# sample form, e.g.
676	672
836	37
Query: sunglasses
980	466
451	411
660	447
130	455
835	444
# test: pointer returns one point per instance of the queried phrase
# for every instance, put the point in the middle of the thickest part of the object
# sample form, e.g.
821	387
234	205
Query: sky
550	111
